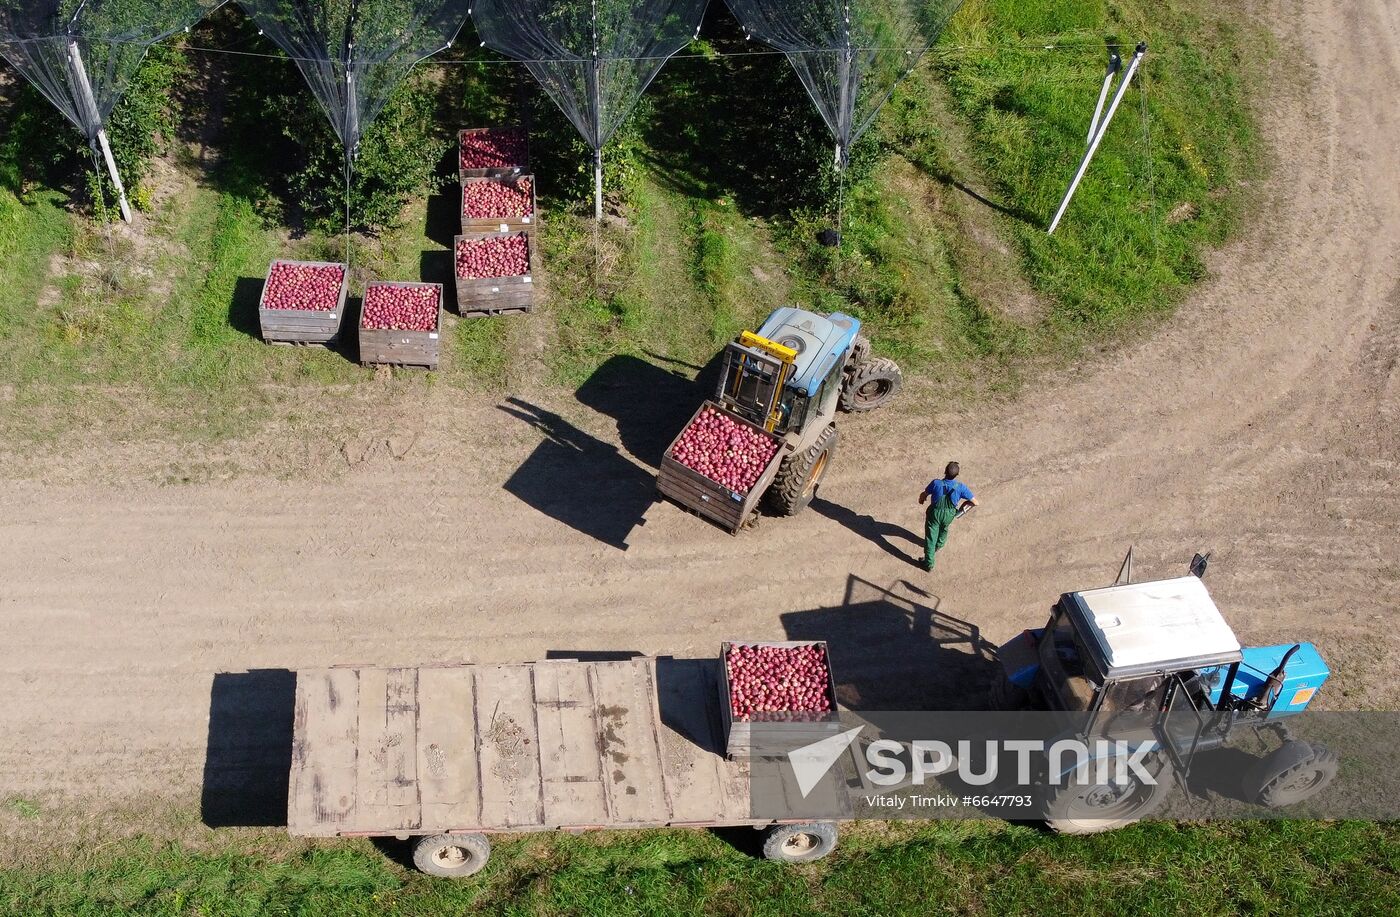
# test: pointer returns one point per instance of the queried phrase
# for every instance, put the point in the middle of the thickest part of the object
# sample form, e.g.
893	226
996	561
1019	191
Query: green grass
1164	185
973	867
30	233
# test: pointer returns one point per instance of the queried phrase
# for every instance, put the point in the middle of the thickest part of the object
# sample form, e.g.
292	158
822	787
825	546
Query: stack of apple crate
494	257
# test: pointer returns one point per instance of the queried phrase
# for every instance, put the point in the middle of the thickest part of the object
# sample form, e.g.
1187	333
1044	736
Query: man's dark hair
951	471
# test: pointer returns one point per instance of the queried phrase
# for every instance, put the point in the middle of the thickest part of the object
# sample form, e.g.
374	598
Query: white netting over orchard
850	54
595	58
81	54
354	53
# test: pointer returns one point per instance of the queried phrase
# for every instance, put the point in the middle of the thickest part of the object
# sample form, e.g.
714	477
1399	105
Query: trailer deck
482	748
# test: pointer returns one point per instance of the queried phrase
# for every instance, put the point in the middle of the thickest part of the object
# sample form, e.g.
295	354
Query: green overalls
940	514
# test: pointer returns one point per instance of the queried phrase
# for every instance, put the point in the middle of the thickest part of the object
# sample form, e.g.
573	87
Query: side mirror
1198	565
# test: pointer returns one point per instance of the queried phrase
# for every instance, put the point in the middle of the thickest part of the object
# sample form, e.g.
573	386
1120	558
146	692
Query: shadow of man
882	534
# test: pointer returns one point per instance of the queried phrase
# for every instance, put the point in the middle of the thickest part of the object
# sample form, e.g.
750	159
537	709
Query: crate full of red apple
498	204
401	324
492	152
775	693
494	272
303	302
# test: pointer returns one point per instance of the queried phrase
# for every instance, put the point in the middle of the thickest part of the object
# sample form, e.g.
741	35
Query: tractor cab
1156	657
1118	648
789	373
1156	662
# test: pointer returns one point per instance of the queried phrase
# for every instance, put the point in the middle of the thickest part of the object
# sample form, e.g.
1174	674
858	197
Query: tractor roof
1167	625
818	340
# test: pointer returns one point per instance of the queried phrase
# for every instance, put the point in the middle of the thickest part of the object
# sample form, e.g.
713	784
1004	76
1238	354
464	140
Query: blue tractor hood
819	340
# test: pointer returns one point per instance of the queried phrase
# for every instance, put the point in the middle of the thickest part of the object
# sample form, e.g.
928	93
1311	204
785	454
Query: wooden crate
398	347
712	499
495	295
813	727
303	326
499	224
519	168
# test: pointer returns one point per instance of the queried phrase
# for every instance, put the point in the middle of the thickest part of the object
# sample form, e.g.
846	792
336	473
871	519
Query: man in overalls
946	496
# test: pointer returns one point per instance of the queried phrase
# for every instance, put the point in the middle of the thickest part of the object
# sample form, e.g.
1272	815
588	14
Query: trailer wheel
800	475
871	386
452	855
799	843
1291	773
1090	808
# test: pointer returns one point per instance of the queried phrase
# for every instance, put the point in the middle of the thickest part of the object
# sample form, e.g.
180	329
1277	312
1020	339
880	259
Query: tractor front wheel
871	385
801	474
1293	772
1089	808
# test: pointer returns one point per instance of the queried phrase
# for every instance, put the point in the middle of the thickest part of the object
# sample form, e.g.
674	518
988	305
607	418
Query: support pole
1115	64
598	184
351	139
1098	137
106	148
88	102
597	128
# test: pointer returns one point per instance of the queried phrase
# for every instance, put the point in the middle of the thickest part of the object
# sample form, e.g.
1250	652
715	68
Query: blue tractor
1157	658
787	380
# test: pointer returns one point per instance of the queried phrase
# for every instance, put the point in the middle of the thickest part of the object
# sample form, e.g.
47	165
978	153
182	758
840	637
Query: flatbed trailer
461	751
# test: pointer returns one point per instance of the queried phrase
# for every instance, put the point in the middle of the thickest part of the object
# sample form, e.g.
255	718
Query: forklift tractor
1156	662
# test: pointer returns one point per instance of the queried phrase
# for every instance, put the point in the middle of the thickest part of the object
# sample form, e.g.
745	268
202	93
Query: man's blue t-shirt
956	491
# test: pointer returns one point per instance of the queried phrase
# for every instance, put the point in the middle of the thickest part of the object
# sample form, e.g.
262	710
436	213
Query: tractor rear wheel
1293	772
1090	808
801	474
871	385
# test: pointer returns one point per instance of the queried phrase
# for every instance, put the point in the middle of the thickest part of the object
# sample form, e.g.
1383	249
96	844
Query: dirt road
1261	423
